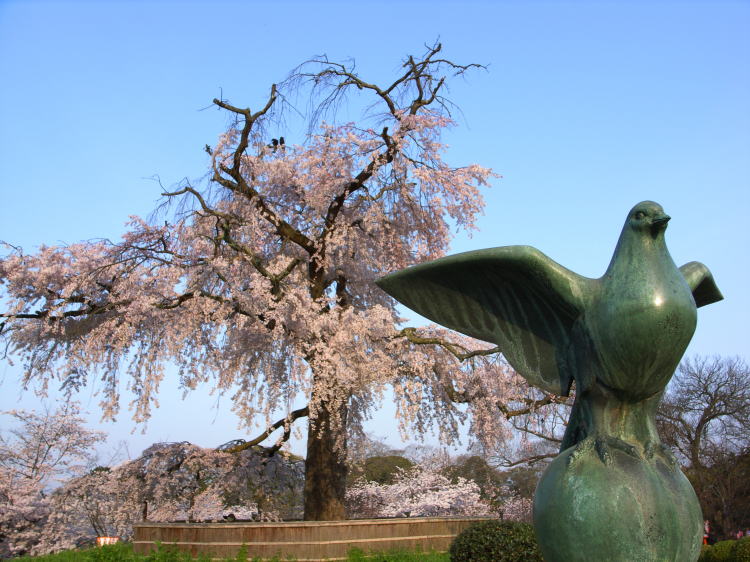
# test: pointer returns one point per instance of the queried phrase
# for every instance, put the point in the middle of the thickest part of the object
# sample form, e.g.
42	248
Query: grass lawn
123	552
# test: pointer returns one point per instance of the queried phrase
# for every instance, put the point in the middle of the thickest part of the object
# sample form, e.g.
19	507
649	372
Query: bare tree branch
250	119
531	405
527	460
285	422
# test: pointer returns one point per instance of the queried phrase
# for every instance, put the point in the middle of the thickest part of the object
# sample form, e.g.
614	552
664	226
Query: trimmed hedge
727	551
741	551
496	541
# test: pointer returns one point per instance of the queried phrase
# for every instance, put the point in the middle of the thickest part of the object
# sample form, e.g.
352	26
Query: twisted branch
286	422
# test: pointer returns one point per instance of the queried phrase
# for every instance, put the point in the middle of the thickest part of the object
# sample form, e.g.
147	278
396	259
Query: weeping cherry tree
260	283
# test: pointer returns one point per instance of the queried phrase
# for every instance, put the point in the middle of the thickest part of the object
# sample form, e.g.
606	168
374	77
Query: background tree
41	450
706	409
522	480
362	446
705	418
380	469
724	491
504	493
474	468
45	448
262	282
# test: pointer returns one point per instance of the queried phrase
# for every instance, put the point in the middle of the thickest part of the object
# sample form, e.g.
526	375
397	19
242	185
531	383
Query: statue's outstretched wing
702	283
512	296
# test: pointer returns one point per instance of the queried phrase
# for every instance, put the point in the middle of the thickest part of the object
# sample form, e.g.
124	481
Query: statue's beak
661	221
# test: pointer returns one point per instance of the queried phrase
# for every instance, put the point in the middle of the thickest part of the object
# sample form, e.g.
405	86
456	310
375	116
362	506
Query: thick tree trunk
325	468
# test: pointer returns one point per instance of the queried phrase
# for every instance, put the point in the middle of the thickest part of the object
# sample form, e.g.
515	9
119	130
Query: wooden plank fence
306	541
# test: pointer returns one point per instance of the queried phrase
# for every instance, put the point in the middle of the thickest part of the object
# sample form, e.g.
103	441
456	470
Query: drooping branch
385	157
46	314
225	222
338	202
457	351
283	229
459	397
202	202
97	309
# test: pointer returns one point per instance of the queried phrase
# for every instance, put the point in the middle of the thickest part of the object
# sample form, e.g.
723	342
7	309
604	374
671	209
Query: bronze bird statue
614	492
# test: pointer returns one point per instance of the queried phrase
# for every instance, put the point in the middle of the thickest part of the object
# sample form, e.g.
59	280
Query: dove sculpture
614	492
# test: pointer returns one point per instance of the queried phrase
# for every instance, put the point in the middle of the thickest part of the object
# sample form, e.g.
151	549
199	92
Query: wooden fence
306	541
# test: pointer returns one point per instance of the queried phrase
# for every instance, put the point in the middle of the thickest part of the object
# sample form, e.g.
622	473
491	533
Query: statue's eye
639	215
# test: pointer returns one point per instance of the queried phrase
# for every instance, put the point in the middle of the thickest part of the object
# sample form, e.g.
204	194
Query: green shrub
741	550
722	551
496	541
706	554
383	470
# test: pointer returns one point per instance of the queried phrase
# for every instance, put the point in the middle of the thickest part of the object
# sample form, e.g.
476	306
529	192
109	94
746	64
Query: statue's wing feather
512	296
702	283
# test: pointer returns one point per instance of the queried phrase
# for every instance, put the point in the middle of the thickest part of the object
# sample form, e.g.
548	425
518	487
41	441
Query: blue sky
586	108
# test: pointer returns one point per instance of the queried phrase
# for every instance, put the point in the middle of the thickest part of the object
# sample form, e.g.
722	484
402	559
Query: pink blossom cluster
517	508
23	511
416	492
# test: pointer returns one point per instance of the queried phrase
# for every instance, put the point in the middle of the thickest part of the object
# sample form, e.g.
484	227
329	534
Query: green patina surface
626	509
614	492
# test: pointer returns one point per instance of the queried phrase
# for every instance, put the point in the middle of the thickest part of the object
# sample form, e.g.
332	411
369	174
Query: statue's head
649	217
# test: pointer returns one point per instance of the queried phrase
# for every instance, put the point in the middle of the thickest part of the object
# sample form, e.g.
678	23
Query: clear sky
586	108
